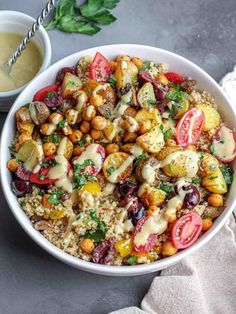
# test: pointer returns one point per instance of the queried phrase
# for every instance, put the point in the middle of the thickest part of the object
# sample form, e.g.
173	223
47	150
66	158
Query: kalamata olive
130	202
144	77
61	73
20	187
125	189
53	100
162	105
23	173
192	198
160	90
137	214
104	252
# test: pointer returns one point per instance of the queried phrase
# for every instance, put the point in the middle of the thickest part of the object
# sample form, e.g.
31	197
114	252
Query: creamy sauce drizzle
115	175
90	153
225	147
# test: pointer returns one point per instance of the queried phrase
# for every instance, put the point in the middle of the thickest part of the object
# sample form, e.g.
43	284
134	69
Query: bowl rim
47	55
76	262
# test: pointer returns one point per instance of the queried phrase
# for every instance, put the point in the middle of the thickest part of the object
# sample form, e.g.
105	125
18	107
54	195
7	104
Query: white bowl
13	21
176	63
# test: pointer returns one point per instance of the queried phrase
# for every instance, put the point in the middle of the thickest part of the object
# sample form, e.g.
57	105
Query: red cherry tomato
41	177
42	93
152	239
186	230
224	144
190	127
175	78
100	68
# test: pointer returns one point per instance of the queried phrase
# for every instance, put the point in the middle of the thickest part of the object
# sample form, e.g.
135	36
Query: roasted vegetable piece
151	195
152	141
208	164
212	116
152	114
70	85
146	170
124	247
126	73
215	182
146	96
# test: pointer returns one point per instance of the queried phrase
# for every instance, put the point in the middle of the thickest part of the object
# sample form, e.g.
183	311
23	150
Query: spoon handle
49	6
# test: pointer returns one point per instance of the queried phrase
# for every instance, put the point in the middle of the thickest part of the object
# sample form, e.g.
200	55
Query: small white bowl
176	63
13	21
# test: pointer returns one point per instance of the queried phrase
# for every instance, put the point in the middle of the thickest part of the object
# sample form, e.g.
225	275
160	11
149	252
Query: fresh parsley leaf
74	24
54	197
152	102
167	134
166	188
110	170
196	180
112	82
142	156
62	123
98	235
132	260
228	174
110	4
178	98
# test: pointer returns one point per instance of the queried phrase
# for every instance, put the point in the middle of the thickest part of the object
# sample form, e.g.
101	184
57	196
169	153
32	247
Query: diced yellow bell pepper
124	247
92	187
55	214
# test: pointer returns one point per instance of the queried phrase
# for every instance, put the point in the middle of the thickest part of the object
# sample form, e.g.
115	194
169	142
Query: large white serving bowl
176	63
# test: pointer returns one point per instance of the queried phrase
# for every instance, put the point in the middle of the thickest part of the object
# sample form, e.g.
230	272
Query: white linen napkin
205	282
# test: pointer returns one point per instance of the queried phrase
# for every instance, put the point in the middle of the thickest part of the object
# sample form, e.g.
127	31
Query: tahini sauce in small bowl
26	66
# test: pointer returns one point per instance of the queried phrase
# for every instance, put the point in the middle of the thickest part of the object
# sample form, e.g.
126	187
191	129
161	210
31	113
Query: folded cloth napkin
205	282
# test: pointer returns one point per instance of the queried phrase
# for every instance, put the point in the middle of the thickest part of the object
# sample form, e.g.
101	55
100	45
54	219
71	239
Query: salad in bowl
121	161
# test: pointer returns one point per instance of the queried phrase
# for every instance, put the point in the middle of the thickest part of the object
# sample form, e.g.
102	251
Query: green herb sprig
99	234
84	19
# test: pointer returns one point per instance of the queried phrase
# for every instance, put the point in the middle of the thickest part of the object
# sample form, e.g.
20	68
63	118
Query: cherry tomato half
224	144
175	78
190	127
41	177
42	93
100	68
186	230
152	239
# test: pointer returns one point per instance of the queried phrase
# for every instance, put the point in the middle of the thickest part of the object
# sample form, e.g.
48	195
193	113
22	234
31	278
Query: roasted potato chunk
151	196
212	116
146	96
126	73
70	85
117	167
147	170
208	164
167	150
30	153
152	114
152	141
65	148
215	182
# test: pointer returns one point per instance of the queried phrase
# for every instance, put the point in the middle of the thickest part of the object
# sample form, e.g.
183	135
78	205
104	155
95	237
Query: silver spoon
7	67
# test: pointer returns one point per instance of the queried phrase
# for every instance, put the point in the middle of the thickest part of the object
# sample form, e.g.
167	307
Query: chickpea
85	127
130	137
75	136
96	100
162	79
24	137
95	134
144	126
126	125
47	128
122	58
49	148
99	123
170	142
206	224
12	165
71	116
55	118
45	202
87	245
89	113
215	200
117	138
112	148
151	210
192	147
88	140
113	65
130	112
78	150
168	249
137	61
67	130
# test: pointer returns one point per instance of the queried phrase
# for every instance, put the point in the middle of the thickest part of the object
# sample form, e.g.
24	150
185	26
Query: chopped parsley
54	197
110	170
62	124
99	234
132	260
196	180
81	177
112	82
212	149
166	188
178	97
167	134
52	138
42	177
82	142
142	156
50	94
71	84
161	127
151	102
146	66
228	174
173	110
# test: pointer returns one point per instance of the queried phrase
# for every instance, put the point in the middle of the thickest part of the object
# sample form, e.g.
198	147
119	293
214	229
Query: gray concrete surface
31	281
